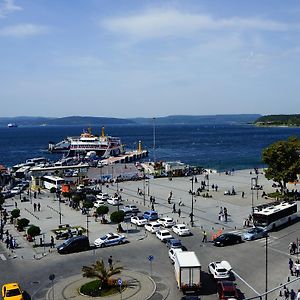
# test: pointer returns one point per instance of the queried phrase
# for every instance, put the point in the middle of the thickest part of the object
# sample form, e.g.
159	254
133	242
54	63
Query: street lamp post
144	196
266	288
59	207
154	145
192	212
87	222
253	186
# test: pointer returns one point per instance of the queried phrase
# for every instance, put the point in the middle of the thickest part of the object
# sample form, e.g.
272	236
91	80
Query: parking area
247	258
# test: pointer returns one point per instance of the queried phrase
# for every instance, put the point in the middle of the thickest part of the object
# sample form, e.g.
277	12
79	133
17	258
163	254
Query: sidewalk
141	287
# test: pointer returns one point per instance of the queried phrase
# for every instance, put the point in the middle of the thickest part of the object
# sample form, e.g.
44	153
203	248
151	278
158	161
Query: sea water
220	147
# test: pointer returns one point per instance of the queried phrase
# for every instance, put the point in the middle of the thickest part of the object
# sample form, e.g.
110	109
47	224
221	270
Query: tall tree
101	272
283	161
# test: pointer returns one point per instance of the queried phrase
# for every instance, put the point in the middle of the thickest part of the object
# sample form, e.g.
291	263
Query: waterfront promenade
206	218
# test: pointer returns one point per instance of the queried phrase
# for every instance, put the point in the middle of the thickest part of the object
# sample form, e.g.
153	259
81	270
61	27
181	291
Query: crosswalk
2	257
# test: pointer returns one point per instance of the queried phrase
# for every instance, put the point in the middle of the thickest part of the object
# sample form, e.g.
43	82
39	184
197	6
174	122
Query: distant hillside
72	120
279	120
99	121
208	119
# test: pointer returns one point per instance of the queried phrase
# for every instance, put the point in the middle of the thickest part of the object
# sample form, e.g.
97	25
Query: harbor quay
171	195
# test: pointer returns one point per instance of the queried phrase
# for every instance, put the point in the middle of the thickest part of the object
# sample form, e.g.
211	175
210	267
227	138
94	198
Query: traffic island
139	286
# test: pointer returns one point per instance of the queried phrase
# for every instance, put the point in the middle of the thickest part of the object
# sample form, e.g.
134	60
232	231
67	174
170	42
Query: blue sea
220	147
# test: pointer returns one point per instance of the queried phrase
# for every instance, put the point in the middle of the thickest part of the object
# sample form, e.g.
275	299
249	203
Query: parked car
66	233
174	243
172	253
138	220
163	235
152	227
74	244
255	233
227	239
109	240
114	201
219	269
15	191
227	290
102	196
166	222
131	208
98	203
181	229
151	215
12	291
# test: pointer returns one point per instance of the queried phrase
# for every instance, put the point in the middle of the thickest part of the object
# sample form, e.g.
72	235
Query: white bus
275	214
52	181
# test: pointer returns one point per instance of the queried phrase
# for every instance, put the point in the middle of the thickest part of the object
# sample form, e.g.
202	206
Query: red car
227	290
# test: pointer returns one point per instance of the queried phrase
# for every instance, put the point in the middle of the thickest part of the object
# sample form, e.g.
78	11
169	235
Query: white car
98	203
219	269
131	208
110	239
181	229
114	201
163	235
152	227
138	220
166	222
15	191
172	253
102	196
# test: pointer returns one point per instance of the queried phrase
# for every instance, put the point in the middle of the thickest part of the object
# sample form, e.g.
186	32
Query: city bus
52	181
273	215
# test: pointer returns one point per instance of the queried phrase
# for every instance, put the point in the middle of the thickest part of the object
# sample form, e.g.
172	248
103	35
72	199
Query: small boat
11	125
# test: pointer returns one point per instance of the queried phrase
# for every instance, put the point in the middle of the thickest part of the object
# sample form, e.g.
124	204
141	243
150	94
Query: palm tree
99	271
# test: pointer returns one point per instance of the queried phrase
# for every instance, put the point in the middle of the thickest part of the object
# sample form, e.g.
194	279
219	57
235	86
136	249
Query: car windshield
14	292
156	225
165	233
181	227
103	238
222	270
229	293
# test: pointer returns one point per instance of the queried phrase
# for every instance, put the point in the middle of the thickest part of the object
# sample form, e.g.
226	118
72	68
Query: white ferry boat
104	146
11	125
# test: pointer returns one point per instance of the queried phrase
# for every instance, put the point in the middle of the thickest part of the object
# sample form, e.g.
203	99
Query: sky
139	58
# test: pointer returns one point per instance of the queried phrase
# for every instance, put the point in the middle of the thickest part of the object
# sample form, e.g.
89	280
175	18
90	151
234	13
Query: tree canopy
117	216
101	272
283	161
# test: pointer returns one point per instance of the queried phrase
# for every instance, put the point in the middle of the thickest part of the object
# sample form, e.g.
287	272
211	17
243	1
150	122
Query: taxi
12	291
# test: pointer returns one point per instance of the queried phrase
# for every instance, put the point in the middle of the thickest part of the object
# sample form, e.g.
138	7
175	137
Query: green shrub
53	190
21	223
33	230
102	210
88	204
117	216
92	288
15	213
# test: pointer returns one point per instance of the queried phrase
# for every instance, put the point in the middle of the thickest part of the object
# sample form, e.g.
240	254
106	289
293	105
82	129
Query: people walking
220	213
291	264
52	242
34	206
225	214
292	294
179	212
174	209
110	262
204	239
39	206
298	295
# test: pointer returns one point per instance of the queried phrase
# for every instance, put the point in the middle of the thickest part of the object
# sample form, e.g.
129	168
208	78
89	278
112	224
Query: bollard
288	279
280	293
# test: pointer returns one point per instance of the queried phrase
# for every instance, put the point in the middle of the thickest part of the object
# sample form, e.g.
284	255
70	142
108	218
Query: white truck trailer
187	271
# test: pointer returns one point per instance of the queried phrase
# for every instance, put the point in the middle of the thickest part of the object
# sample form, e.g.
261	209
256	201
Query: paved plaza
31	266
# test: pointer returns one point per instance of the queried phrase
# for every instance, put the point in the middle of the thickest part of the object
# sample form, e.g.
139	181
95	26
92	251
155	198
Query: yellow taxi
12	291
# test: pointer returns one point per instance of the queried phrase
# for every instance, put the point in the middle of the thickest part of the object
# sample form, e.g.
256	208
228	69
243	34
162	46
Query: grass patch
93	289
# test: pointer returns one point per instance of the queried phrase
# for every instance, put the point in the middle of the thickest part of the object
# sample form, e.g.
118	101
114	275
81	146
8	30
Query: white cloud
164	23
7	7
23	30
